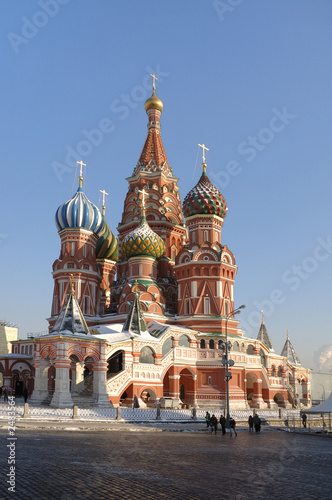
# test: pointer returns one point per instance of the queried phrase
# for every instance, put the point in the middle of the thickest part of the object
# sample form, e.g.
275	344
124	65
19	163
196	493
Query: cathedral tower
163	205
205	269
79	223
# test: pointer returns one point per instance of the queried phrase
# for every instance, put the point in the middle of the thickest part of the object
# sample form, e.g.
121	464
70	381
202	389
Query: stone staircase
83	394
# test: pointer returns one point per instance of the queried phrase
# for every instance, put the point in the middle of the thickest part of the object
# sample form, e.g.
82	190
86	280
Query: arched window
146	356
167	346
221	344
211	344
273	371
262	356
184	341
236	347
279	372
250	349
202	344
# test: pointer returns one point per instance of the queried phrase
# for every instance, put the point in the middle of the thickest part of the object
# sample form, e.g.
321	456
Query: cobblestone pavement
66	465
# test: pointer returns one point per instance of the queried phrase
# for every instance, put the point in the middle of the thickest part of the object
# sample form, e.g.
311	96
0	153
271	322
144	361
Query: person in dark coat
136	403
257	423
214	424
251	423
232	425
223	424
25	394
304	420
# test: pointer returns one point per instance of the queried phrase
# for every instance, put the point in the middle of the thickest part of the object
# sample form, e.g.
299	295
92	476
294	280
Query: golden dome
153	103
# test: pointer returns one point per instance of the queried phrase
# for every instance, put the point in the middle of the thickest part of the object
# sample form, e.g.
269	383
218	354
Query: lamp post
228	362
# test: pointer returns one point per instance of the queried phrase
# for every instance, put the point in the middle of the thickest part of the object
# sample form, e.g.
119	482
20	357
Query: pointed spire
153	157
135	322
288	352
263	336
71	320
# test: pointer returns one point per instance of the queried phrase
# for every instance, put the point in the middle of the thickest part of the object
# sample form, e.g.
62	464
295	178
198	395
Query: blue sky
252	80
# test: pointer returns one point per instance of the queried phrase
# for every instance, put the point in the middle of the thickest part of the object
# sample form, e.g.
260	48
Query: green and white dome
143	242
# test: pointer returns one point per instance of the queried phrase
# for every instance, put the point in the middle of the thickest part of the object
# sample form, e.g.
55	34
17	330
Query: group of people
212	424
254	421
4	391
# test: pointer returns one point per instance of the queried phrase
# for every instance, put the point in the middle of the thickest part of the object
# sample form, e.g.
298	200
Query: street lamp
226	346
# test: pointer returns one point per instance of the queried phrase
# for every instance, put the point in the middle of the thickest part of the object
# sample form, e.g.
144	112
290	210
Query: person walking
304	420
207	419
257	423
214	424
223	424
251	423
232	425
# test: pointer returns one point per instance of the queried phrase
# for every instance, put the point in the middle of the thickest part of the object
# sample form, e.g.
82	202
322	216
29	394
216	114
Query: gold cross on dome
103	192
143	197
71	278
135	288
81	164
204	148
154	80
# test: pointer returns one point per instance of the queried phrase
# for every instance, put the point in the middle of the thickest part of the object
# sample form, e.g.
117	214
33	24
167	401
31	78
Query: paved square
68	465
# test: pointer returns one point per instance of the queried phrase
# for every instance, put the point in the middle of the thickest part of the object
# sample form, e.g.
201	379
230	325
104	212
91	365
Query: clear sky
250	79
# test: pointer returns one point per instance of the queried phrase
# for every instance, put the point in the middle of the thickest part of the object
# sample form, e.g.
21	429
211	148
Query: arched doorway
51	379
187	386
148	396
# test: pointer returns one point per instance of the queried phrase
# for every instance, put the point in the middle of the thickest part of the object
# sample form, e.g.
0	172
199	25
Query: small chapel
146	314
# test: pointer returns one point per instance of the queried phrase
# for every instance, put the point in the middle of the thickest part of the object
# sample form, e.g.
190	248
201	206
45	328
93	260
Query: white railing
138	414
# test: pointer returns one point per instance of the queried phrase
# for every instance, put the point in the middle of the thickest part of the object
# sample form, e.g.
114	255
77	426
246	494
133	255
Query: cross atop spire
80	179
143	197
103	192
154	80
203	148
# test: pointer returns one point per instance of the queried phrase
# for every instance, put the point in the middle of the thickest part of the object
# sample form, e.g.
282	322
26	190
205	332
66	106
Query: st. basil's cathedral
147	314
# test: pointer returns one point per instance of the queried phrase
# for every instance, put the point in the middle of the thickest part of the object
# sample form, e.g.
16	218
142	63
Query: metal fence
136	414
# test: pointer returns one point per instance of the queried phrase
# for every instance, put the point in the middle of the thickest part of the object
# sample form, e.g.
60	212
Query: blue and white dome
79	212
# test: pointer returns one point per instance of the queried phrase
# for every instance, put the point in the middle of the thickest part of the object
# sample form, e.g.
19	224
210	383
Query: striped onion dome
79	212
204	199
142	241
107	245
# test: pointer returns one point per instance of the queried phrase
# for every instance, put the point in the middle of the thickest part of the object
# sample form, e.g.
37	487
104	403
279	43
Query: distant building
146	314
8	333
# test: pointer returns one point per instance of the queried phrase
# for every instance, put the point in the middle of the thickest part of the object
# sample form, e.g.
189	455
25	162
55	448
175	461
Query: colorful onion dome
204	198
142	241
107	244
154	102
79	212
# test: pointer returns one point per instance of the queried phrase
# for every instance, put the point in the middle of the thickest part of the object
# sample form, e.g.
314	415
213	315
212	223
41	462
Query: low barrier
138	414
